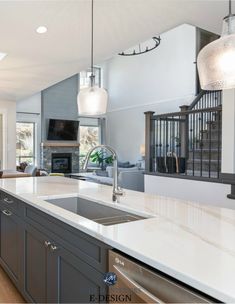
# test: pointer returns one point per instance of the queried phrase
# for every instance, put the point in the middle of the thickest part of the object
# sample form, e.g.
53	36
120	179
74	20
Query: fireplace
68	150
61	162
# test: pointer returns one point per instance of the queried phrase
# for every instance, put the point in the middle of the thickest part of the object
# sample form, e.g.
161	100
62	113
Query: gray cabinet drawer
54	275
9	202
35	266
71	280
80	244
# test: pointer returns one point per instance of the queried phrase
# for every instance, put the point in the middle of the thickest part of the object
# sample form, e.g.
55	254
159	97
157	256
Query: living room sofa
128	178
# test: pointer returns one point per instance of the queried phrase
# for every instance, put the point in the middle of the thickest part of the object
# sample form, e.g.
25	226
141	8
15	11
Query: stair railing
206	99
186	143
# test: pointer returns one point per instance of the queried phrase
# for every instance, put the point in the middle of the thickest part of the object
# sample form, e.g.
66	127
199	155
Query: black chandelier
140	50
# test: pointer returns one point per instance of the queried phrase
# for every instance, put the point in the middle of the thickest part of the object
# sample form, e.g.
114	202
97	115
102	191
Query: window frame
34	157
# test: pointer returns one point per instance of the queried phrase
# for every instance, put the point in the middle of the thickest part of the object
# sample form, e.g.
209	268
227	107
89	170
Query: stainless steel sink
119	219
98	213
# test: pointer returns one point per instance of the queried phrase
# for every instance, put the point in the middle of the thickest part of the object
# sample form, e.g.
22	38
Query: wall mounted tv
62	129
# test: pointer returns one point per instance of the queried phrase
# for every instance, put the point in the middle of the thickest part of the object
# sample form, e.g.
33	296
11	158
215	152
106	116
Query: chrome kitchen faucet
117	191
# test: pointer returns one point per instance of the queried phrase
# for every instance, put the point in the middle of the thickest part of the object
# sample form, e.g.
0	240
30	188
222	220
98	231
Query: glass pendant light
92	100
216	61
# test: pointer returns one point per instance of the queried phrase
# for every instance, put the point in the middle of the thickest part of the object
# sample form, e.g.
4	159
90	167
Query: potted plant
100	158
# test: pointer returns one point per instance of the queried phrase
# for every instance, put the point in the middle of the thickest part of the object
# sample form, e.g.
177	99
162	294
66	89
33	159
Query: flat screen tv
62	129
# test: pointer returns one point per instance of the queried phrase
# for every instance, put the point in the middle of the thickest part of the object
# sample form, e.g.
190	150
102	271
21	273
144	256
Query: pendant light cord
92	37
229	17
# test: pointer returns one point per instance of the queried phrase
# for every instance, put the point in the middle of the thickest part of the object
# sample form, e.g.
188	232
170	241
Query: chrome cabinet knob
47	243
6	200
7	212
53	247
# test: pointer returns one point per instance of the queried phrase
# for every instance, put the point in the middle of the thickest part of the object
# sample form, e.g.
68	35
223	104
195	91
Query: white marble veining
192	242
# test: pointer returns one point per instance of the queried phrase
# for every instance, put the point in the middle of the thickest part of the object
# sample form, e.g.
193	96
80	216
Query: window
89	137
85	78
25	142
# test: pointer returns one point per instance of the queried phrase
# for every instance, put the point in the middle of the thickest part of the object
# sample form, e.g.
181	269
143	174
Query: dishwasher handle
144	294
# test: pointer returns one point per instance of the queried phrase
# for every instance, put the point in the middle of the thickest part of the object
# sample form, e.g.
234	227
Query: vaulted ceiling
35	61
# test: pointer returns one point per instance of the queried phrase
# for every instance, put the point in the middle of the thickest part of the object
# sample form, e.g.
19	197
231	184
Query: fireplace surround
66	157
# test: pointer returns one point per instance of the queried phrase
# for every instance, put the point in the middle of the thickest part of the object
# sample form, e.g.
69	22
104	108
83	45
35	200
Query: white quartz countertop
191	242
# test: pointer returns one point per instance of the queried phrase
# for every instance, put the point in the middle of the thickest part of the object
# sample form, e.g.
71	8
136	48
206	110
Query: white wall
8	110
125	128
196	191
29	110
31	104
160	80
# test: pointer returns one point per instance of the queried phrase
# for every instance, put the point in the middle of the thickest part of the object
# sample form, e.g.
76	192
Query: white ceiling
35	61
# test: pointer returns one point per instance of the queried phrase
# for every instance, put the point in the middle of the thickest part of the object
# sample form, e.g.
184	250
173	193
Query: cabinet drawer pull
7	212
6	200
53	247
47	243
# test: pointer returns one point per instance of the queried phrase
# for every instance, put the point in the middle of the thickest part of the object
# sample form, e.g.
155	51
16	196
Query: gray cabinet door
71	280
35	265
10	250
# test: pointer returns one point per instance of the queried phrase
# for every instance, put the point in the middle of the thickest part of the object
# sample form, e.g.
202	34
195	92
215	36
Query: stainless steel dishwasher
130	282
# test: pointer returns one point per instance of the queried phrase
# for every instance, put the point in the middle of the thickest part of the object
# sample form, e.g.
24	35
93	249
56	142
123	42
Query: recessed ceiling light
2	56
41	30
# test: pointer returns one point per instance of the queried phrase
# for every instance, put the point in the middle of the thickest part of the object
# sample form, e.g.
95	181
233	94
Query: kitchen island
190	242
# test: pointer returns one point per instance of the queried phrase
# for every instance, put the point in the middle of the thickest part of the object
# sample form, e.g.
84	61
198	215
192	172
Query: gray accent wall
60	102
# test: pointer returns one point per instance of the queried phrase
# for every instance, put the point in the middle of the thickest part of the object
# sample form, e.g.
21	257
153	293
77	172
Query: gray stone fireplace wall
46	152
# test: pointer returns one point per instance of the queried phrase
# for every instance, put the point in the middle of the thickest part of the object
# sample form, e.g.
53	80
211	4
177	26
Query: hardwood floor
8	292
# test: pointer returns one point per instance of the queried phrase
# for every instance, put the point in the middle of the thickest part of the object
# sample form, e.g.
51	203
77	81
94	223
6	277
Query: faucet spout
117	191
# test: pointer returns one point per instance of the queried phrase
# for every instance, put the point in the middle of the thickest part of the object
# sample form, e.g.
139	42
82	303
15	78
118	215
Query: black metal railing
207	99
187	142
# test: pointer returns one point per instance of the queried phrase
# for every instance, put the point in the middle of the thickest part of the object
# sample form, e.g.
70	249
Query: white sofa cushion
109	169
99	179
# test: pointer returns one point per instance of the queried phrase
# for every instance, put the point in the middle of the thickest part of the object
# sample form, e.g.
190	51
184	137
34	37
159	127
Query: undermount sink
94	211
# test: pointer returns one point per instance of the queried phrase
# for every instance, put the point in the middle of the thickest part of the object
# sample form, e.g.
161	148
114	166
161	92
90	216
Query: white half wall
196	191
228	132
8	111
160	81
